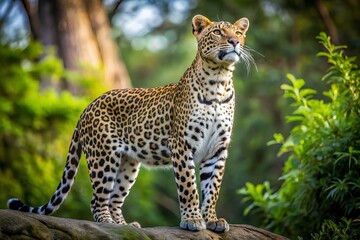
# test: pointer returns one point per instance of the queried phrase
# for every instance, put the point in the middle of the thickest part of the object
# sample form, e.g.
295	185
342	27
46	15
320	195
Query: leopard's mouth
229	56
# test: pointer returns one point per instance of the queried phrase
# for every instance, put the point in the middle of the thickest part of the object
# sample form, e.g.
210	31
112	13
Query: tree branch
329	24
115	9
32	18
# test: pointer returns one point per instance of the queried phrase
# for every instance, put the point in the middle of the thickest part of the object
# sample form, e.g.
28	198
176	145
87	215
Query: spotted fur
176	125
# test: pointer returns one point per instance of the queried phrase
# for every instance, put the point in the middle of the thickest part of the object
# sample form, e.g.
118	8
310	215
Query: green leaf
299	83
286	87
307	92
278	138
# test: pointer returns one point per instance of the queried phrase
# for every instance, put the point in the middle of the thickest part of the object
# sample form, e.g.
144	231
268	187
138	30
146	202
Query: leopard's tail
65	184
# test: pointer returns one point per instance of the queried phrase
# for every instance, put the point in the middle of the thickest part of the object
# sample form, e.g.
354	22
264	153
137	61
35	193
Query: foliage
344	230
322	174
34	122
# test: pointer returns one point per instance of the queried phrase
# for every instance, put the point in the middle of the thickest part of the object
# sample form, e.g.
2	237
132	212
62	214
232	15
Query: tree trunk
81	32
115	70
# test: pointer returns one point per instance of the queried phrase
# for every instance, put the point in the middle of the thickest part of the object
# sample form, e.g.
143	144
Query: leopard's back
133	122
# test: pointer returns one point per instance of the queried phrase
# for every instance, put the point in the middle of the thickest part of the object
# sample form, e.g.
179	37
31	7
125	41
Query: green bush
344	230
321	177
36	124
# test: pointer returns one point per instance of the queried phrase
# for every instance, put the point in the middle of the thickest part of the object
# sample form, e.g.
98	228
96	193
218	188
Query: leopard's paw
220	225
193	224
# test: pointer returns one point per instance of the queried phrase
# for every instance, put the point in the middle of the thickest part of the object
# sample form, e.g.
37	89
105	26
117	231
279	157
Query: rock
19	225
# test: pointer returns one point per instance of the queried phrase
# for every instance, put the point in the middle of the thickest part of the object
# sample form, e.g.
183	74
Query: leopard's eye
238	33
217	32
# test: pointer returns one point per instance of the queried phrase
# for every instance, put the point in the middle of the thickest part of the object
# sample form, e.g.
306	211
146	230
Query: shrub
36	124
321	177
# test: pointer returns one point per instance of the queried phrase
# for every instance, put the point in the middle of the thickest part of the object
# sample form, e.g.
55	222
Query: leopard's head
221	42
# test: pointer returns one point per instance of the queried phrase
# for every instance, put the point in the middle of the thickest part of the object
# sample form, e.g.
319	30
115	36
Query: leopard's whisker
247	58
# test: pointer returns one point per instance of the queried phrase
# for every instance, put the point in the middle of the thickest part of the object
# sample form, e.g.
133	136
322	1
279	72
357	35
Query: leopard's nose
233	41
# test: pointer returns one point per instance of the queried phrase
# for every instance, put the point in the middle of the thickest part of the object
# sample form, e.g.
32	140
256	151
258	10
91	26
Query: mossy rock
19	225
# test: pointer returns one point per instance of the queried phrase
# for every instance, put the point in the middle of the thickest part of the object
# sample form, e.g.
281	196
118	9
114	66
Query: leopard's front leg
184	170
211	173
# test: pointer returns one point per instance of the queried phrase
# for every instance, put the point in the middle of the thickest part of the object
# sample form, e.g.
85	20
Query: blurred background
57	56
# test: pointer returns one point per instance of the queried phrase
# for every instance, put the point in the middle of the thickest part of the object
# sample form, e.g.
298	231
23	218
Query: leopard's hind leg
125	179
102	173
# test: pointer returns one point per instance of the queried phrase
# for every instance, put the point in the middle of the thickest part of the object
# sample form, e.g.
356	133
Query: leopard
176	126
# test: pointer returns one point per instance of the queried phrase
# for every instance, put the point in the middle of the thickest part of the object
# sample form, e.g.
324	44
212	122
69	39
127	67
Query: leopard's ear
199	23
243	24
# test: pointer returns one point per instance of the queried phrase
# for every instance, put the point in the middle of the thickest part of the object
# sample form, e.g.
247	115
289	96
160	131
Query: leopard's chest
209	127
